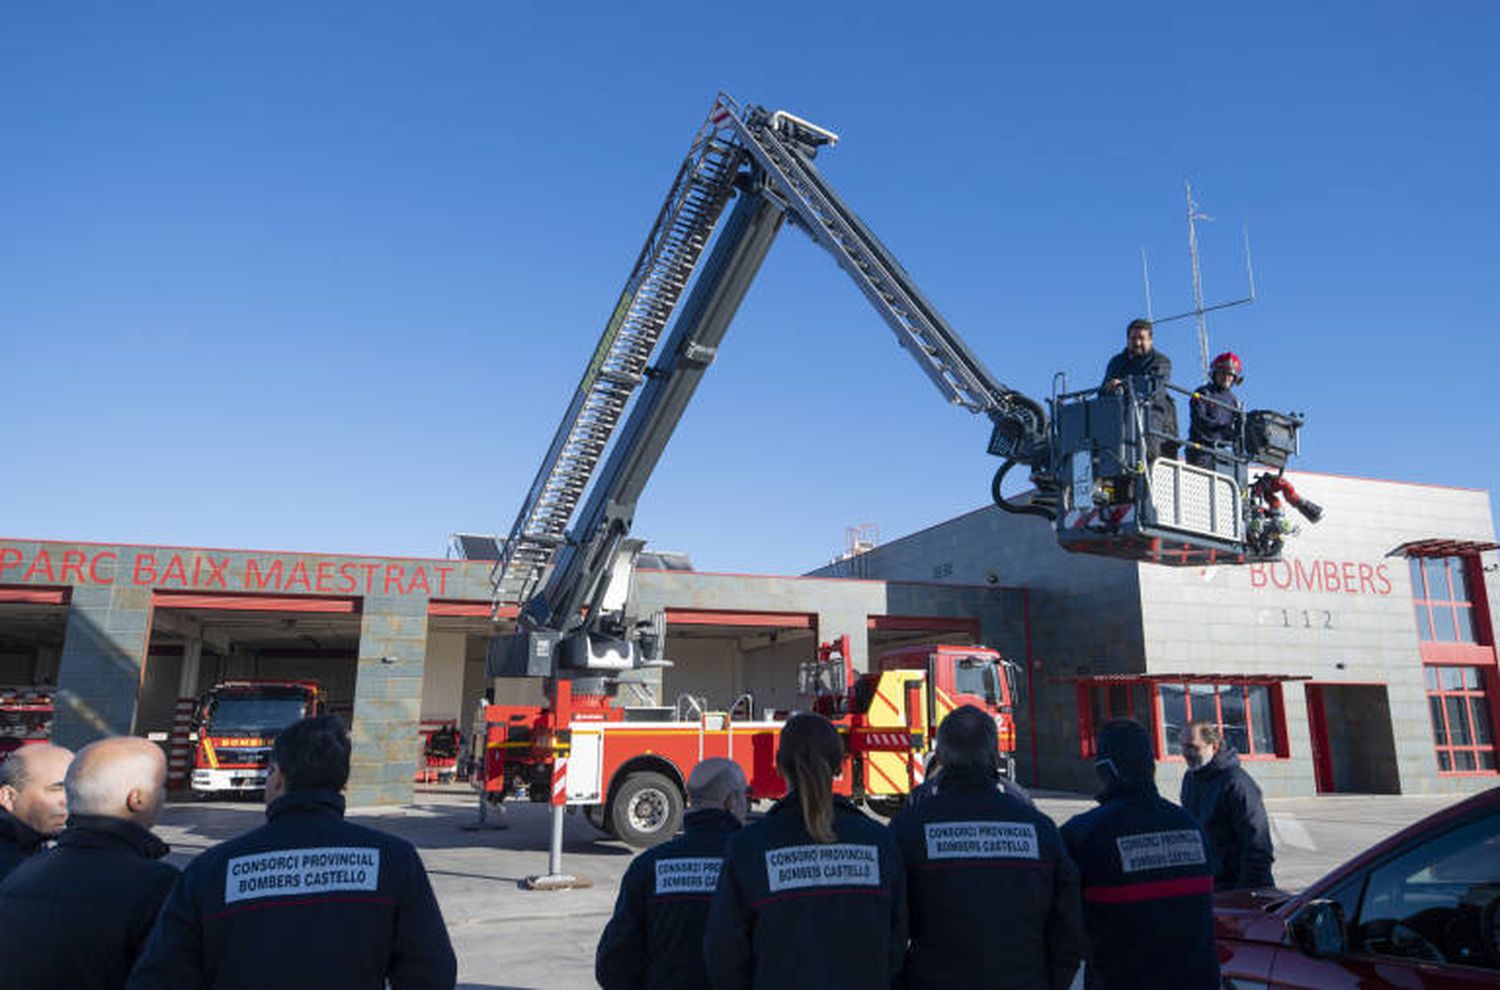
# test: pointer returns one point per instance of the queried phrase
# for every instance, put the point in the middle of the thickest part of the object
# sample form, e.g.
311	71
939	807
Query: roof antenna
1200	311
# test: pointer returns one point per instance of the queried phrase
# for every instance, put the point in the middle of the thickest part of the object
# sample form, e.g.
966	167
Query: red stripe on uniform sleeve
1150	890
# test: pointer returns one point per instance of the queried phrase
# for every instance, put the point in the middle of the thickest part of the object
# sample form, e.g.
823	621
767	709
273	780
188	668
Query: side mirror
1317	929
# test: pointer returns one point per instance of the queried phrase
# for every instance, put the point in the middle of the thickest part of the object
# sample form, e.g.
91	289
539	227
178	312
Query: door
1317	727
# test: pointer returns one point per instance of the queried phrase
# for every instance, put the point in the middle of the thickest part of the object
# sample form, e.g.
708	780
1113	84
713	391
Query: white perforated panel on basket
1195	500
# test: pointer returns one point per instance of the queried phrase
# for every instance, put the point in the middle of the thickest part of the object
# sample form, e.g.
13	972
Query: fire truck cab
234	725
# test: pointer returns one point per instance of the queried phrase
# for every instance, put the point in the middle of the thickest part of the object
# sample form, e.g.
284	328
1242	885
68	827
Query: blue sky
323	276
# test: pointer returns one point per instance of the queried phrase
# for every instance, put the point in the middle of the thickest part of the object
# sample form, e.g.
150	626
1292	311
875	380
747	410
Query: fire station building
1364	661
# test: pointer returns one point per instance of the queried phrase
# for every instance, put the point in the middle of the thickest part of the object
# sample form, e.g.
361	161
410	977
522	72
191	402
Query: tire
886	807
598	818
646	809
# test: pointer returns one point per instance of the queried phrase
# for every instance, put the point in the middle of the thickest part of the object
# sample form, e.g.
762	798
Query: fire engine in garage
627	767
25	717
234	725
577	628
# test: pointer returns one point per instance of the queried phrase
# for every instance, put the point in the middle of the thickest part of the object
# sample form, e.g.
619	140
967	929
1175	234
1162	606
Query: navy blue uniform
76	915
1147	893
654	941
1214	414
1227	803
306	900
993	894
791	912
1149	375
17	842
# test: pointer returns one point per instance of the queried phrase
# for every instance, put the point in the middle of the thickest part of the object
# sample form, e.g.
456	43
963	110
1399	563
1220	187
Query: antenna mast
1199	311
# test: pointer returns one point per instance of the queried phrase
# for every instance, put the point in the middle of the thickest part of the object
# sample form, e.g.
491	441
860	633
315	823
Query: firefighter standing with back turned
993	894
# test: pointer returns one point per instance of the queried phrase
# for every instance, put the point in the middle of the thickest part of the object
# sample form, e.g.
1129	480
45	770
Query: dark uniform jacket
1148	375
1227	803
993	894
1147	893
76	915
17	841
791	912
306	900
1214	417
655	939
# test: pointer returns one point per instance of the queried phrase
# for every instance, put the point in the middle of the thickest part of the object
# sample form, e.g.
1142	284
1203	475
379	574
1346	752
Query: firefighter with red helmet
1216	411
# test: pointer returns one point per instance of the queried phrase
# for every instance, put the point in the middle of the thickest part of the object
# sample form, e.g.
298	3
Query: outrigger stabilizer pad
556	881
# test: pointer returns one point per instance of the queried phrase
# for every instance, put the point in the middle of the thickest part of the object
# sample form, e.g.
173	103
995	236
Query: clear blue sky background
322	276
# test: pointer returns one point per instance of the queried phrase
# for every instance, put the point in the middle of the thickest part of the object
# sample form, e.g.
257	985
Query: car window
1438	901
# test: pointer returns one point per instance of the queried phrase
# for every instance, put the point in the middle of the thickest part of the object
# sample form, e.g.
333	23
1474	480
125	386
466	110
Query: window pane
1486	759
1430	676
1439	734
1173	714
1463	759
1458	722
1437	579
1445	762
1466	631
1140	703
1424	624
1260	715
1097	708
1420	904
1232	711
1442	624
1202	696
1480	716
1458	574
1452	678
1417	590
1119	701
1471	678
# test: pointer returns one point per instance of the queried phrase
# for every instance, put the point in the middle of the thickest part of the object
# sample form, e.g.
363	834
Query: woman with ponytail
814	894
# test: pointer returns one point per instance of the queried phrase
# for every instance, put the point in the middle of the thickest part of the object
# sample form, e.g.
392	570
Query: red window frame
1442	603
1154	718
1466	696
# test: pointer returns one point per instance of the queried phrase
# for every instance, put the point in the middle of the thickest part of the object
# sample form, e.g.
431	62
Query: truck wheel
886	807
596	817
646	810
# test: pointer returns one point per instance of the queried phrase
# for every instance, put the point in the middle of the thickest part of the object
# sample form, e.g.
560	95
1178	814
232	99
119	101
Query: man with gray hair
33	805
655	939
993	895
77	915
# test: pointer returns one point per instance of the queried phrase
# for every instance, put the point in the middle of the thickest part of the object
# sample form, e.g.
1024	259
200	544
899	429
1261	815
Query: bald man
33	806
655	939
77	915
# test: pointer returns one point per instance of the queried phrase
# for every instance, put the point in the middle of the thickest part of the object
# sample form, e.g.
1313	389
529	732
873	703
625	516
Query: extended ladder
683	227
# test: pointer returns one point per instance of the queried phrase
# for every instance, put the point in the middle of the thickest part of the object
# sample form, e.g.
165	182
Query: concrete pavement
508	937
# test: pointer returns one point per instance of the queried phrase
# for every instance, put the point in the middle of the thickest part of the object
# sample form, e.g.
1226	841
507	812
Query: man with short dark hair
306	900
1148	371
1147	886
1228	804
654	941
76	915
993	894
33	802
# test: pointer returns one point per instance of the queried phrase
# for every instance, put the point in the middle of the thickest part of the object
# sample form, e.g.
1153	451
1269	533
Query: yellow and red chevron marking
885	740
560	780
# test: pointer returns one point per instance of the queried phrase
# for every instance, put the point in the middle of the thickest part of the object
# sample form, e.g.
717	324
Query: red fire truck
25	717
568	558
234	724
627	767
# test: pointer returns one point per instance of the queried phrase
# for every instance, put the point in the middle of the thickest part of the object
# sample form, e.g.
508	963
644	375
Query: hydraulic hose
1008	506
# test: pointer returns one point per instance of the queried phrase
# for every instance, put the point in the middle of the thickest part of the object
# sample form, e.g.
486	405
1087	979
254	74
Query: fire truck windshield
251	715
976	676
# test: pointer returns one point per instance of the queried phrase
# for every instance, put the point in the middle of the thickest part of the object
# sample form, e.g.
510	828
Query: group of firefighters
969	886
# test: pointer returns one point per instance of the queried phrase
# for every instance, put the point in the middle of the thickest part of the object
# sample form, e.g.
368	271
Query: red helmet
1230	362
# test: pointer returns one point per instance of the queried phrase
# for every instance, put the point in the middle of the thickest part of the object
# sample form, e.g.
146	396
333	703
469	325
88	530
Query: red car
1419	910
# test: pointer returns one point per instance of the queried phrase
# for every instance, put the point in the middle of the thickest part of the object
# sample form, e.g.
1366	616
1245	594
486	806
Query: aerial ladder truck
1087	461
